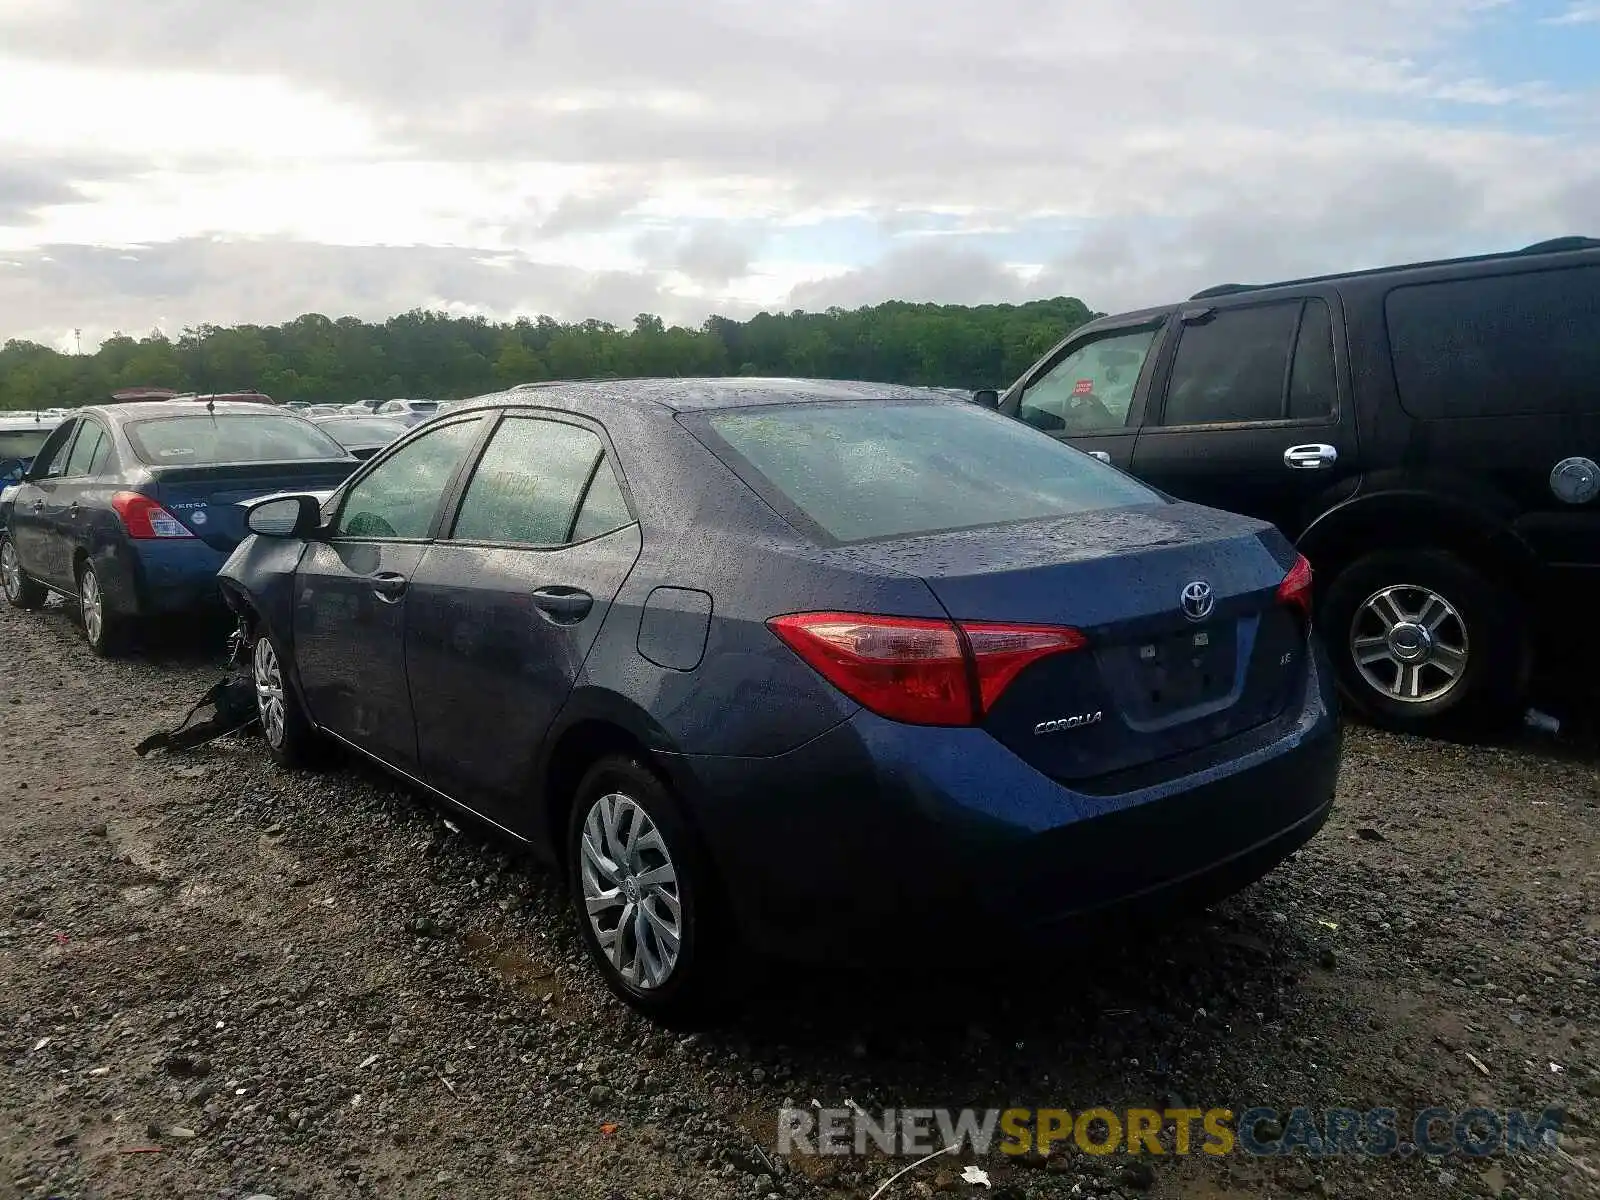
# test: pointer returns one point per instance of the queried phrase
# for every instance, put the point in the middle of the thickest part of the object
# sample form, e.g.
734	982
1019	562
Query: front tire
104	629
21	592
643	895
1425	643
290	739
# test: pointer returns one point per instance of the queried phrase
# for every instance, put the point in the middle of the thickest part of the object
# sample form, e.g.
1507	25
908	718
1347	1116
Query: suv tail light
921	671
143	518
1295	590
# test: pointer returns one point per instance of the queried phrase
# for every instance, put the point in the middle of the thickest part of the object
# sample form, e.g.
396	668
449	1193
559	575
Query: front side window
86	449
400	496
1091	389
54	452
541	483
860	470
1232	366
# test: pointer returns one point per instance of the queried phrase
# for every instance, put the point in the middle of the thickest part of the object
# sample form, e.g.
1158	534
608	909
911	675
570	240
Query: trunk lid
1153	681
206	498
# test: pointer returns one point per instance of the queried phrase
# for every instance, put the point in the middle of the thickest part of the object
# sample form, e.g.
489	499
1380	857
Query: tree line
432	355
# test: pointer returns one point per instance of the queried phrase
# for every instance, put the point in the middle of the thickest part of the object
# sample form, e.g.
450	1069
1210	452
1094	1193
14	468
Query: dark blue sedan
132	507
828	670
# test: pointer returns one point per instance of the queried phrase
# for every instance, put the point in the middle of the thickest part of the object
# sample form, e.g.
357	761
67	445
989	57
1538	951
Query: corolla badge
1198	600
1064	723
1575	480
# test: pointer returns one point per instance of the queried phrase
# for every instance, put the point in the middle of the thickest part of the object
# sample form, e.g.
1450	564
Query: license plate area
1181	670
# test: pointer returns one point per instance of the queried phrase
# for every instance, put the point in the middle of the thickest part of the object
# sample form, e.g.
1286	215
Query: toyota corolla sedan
818	669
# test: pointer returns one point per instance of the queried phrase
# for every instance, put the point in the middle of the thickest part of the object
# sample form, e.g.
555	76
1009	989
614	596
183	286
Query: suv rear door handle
388	586
563	605
1310	458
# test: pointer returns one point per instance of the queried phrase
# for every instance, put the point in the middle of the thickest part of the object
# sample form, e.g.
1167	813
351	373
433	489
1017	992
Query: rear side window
1506	345
879	469
229	438
541	483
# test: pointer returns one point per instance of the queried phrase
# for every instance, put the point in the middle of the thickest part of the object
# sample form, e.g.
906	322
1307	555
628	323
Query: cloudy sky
169	162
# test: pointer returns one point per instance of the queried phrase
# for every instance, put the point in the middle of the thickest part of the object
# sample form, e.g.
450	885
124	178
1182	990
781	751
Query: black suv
1427	433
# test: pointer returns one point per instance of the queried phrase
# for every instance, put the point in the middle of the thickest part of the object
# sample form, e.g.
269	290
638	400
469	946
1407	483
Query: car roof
691	395
142	410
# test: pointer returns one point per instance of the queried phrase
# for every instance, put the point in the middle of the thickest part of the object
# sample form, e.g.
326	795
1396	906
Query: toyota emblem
1198	600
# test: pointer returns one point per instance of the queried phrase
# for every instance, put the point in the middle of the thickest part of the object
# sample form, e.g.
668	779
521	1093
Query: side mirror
285	516
986	398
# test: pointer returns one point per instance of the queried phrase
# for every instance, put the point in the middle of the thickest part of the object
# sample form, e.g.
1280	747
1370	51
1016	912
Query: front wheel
643	895
290	739
21	592
1425	643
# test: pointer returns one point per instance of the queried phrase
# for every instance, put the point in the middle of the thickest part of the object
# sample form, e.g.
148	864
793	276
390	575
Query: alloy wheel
630	892
93	606
10	571
269	691
1409	643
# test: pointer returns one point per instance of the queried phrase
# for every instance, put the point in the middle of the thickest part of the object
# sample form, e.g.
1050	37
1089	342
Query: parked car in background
744	655
412	412
363	406
363	436
131	508
21	436
1428	434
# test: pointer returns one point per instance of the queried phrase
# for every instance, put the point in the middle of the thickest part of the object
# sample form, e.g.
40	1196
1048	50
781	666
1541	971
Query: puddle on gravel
512	965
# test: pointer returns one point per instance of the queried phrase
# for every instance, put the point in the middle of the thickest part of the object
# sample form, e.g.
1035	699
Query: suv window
86	449
1504	345
1232	367
399	497
541	483
1091	389
1313	386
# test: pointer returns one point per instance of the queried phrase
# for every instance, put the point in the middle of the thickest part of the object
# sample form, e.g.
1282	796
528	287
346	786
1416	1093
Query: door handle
1310	458
563	605
1101	455
388	586
38	506
72	509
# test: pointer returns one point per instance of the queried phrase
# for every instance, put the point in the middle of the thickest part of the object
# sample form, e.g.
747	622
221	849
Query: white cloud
722	154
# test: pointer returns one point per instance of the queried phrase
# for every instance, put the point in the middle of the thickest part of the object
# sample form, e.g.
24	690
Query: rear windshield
878	469
23	443
229	438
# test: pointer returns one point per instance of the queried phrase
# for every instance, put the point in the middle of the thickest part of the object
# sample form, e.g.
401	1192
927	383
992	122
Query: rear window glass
1508	345
865	470
229	438
23	443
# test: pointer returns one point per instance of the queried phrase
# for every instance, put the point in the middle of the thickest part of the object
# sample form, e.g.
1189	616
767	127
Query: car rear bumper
153	578
876	841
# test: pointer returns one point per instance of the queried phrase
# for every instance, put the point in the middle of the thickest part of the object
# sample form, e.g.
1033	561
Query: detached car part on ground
1429	435
131	508
821	669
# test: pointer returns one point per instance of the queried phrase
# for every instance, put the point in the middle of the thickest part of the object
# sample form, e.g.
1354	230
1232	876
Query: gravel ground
220	979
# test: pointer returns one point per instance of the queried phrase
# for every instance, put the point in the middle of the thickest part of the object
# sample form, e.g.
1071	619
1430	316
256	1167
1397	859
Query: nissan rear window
229	438
863	470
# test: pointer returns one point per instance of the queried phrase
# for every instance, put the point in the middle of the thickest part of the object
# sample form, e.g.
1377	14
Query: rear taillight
142	517
1295	590
921	671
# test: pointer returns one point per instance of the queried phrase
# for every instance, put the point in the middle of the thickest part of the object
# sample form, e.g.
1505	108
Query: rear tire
21	592
1425	643
291	741
104	629
657	933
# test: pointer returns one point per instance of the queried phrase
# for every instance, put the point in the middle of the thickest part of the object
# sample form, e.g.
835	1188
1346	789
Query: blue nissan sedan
132	507
821	669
